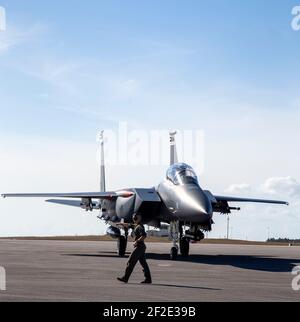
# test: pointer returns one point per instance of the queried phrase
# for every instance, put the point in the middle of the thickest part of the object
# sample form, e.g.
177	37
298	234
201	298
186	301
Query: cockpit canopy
181	173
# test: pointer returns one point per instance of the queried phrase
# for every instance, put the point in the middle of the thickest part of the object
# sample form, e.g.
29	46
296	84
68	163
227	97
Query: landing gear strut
176	234
122	244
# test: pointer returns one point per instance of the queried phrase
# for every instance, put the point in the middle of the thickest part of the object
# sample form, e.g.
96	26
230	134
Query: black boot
147	281
122	279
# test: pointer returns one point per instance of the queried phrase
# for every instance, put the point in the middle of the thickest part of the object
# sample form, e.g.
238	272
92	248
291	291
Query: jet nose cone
205	205
197	202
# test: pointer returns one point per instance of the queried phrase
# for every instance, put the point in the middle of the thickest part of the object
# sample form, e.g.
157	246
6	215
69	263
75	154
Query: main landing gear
122	244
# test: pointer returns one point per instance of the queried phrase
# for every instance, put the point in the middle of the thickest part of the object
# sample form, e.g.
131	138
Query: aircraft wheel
122	245
174	253
184	247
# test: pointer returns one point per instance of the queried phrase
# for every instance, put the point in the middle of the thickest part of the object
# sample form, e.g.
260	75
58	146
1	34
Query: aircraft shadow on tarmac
248	262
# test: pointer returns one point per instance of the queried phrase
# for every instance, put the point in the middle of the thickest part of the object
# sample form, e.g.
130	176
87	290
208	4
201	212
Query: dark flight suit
138	254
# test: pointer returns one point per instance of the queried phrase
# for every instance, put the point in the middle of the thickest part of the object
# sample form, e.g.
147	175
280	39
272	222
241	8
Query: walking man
139	251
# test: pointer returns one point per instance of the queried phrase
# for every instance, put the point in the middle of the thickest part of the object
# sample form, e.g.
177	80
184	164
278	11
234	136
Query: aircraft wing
77	195
72	203
221	203
235	199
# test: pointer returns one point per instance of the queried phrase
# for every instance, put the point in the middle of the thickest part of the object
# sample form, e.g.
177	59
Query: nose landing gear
179	235
176	234
184	246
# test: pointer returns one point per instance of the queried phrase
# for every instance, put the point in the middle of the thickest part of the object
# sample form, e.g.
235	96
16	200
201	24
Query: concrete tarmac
87	271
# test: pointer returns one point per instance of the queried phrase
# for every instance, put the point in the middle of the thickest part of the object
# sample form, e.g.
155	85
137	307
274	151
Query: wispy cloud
286	186
254	220
14	37
239	189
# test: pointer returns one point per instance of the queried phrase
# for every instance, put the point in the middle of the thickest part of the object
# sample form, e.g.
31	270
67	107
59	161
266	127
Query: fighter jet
178	201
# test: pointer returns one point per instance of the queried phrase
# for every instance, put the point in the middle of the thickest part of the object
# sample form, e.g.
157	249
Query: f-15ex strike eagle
178	201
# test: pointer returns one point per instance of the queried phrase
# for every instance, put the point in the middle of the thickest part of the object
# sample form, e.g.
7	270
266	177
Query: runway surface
87	271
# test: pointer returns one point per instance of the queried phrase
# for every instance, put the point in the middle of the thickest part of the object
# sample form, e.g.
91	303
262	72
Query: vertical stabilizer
102	166
173	150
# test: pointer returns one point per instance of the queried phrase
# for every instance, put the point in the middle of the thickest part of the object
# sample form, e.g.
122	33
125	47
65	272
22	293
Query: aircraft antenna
102	165
228	225
173	150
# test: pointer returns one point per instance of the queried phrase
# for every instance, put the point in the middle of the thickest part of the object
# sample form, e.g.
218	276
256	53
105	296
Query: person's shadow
247	262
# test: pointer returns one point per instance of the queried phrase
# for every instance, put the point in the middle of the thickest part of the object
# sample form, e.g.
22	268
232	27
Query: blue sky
226	67
181	49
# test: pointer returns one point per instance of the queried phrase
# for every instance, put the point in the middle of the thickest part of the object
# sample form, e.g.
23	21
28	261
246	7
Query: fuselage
178	197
